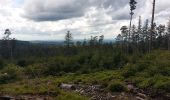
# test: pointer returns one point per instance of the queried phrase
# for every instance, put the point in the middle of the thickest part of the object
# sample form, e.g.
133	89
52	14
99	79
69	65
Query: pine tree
146	35
134	34
8	44
124	34
68	39
140	33
101	38
119	41
146	31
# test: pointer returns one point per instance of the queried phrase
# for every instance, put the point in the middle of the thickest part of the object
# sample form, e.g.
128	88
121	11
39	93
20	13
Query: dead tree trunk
152	27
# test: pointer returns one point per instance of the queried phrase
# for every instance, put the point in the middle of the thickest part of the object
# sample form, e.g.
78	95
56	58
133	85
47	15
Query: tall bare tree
168	35
152	27
132	4
8	44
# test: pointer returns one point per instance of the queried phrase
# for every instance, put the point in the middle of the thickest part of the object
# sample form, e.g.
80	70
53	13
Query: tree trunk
131	17
168	42
152	27
130	26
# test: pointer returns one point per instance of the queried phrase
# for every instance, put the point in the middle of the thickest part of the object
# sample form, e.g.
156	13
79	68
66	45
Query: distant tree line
93	41
133	39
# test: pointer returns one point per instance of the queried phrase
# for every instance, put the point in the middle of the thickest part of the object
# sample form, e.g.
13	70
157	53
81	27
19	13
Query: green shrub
117	86
35	70
10	73
161	83
145	83
129	70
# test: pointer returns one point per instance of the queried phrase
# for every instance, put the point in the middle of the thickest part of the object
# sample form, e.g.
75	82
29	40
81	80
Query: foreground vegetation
112	70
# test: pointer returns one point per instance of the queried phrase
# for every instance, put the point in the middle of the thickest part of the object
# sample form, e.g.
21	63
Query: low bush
10	73
117	86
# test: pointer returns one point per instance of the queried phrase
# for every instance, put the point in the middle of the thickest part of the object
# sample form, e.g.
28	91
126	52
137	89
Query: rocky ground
26	97
95	92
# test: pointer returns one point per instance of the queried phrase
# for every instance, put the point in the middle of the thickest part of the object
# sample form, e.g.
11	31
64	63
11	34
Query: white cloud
50	19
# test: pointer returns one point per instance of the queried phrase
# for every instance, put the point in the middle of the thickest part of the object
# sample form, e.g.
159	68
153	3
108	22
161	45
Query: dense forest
134	66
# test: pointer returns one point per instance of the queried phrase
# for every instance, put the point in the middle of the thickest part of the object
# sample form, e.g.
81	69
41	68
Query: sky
51	19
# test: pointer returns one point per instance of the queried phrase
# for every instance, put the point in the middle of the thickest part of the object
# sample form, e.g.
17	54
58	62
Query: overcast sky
51	19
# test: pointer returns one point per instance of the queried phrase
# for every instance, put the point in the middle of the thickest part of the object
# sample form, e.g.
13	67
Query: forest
134	66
